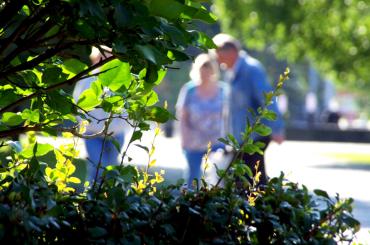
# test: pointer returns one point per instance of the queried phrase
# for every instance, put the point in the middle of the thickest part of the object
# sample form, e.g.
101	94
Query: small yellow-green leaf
74	180
152	163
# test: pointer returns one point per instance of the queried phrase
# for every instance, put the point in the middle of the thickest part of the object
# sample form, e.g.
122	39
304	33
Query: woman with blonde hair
200	110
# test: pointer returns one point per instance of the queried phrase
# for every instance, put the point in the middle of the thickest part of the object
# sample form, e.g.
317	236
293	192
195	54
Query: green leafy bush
33	211
44	50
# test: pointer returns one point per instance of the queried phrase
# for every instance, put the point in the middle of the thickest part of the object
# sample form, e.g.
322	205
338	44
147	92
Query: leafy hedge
44	48
33	211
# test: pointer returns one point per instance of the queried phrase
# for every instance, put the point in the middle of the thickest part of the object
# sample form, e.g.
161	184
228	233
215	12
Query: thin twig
70	81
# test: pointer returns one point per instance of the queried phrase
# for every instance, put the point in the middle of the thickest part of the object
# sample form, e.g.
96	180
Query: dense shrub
32	211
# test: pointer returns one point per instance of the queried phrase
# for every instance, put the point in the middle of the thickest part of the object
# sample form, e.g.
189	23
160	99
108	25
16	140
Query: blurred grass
350	157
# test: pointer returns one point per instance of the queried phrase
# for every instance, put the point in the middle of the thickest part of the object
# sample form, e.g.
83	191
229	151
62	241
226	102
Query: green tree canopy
45	45
333	34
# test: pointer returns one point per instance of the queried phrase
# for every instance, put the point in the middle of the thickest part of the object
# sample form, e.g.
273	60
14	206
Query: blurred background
326	46
325	102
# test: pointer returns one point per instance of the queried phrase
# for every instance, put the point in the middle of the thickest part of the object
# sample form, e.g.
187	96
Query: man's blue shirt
248	84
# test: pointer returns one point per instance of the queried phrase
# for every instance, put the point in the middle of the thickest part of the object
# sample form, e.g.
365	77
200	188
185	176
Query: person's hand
278	138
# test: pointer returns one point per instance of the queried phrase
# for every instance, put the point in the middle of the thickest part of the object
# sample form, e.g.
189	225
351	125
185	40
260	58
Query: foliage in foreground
44	48
33	211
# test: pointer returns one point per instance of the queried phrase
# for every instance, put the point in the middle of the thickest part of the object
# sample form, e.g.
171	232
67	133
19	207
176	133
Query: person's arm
183	115
184	127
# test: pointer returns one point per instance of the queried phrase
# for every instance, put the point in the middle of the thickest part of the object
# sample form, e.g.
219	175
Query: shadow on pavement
344	165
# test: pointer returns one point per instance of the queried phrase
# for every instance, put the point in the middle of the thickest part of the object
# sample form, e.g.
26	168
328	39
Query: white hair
223	39
199	62
96	55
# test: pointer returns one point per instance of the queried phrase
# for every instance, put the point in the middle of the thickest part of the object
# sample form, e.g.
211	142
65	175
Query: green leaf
59	102
200	13
129	172
167	8
158	114
177	55
85	29
143	147
151	75
249	171
160	75
269	115
151	98
260	144
152	54
88	100
351	222
262	130
136	136
74	180
268	96
26	10
37	149
321	193
204	41
31	115
233	140
116	144
97	232
251	149
112	103
117	75
7	95
34	165
241	169
122	15
144	126
53	75
97	88
12	119
225	141
74	66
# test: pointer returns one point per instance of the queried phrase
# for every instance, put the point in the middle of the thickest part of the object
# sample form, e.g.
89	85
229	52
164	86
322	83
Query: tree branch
26	23
34	62
18	131
71	81
9	11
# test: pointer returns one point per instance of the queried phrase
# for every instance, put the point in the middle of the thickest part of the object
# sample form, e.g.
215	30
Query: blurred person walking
200	110
248	82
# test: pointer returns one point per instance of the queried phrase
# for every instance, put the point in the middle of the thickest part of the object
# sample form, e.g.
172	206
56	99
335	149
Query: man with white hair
248	81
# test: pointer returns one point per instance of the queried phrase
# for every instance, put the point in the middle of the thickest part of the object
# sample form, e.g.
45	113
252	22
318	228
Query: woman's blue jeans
194	159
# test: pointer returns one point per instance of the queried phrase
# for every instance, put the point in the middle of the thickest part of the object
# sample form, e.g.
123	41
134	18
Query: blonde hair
200	61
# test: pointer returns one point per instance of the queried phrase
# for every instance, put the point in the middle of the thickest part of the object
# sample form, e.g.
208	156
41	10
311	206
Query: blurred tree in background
334	34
